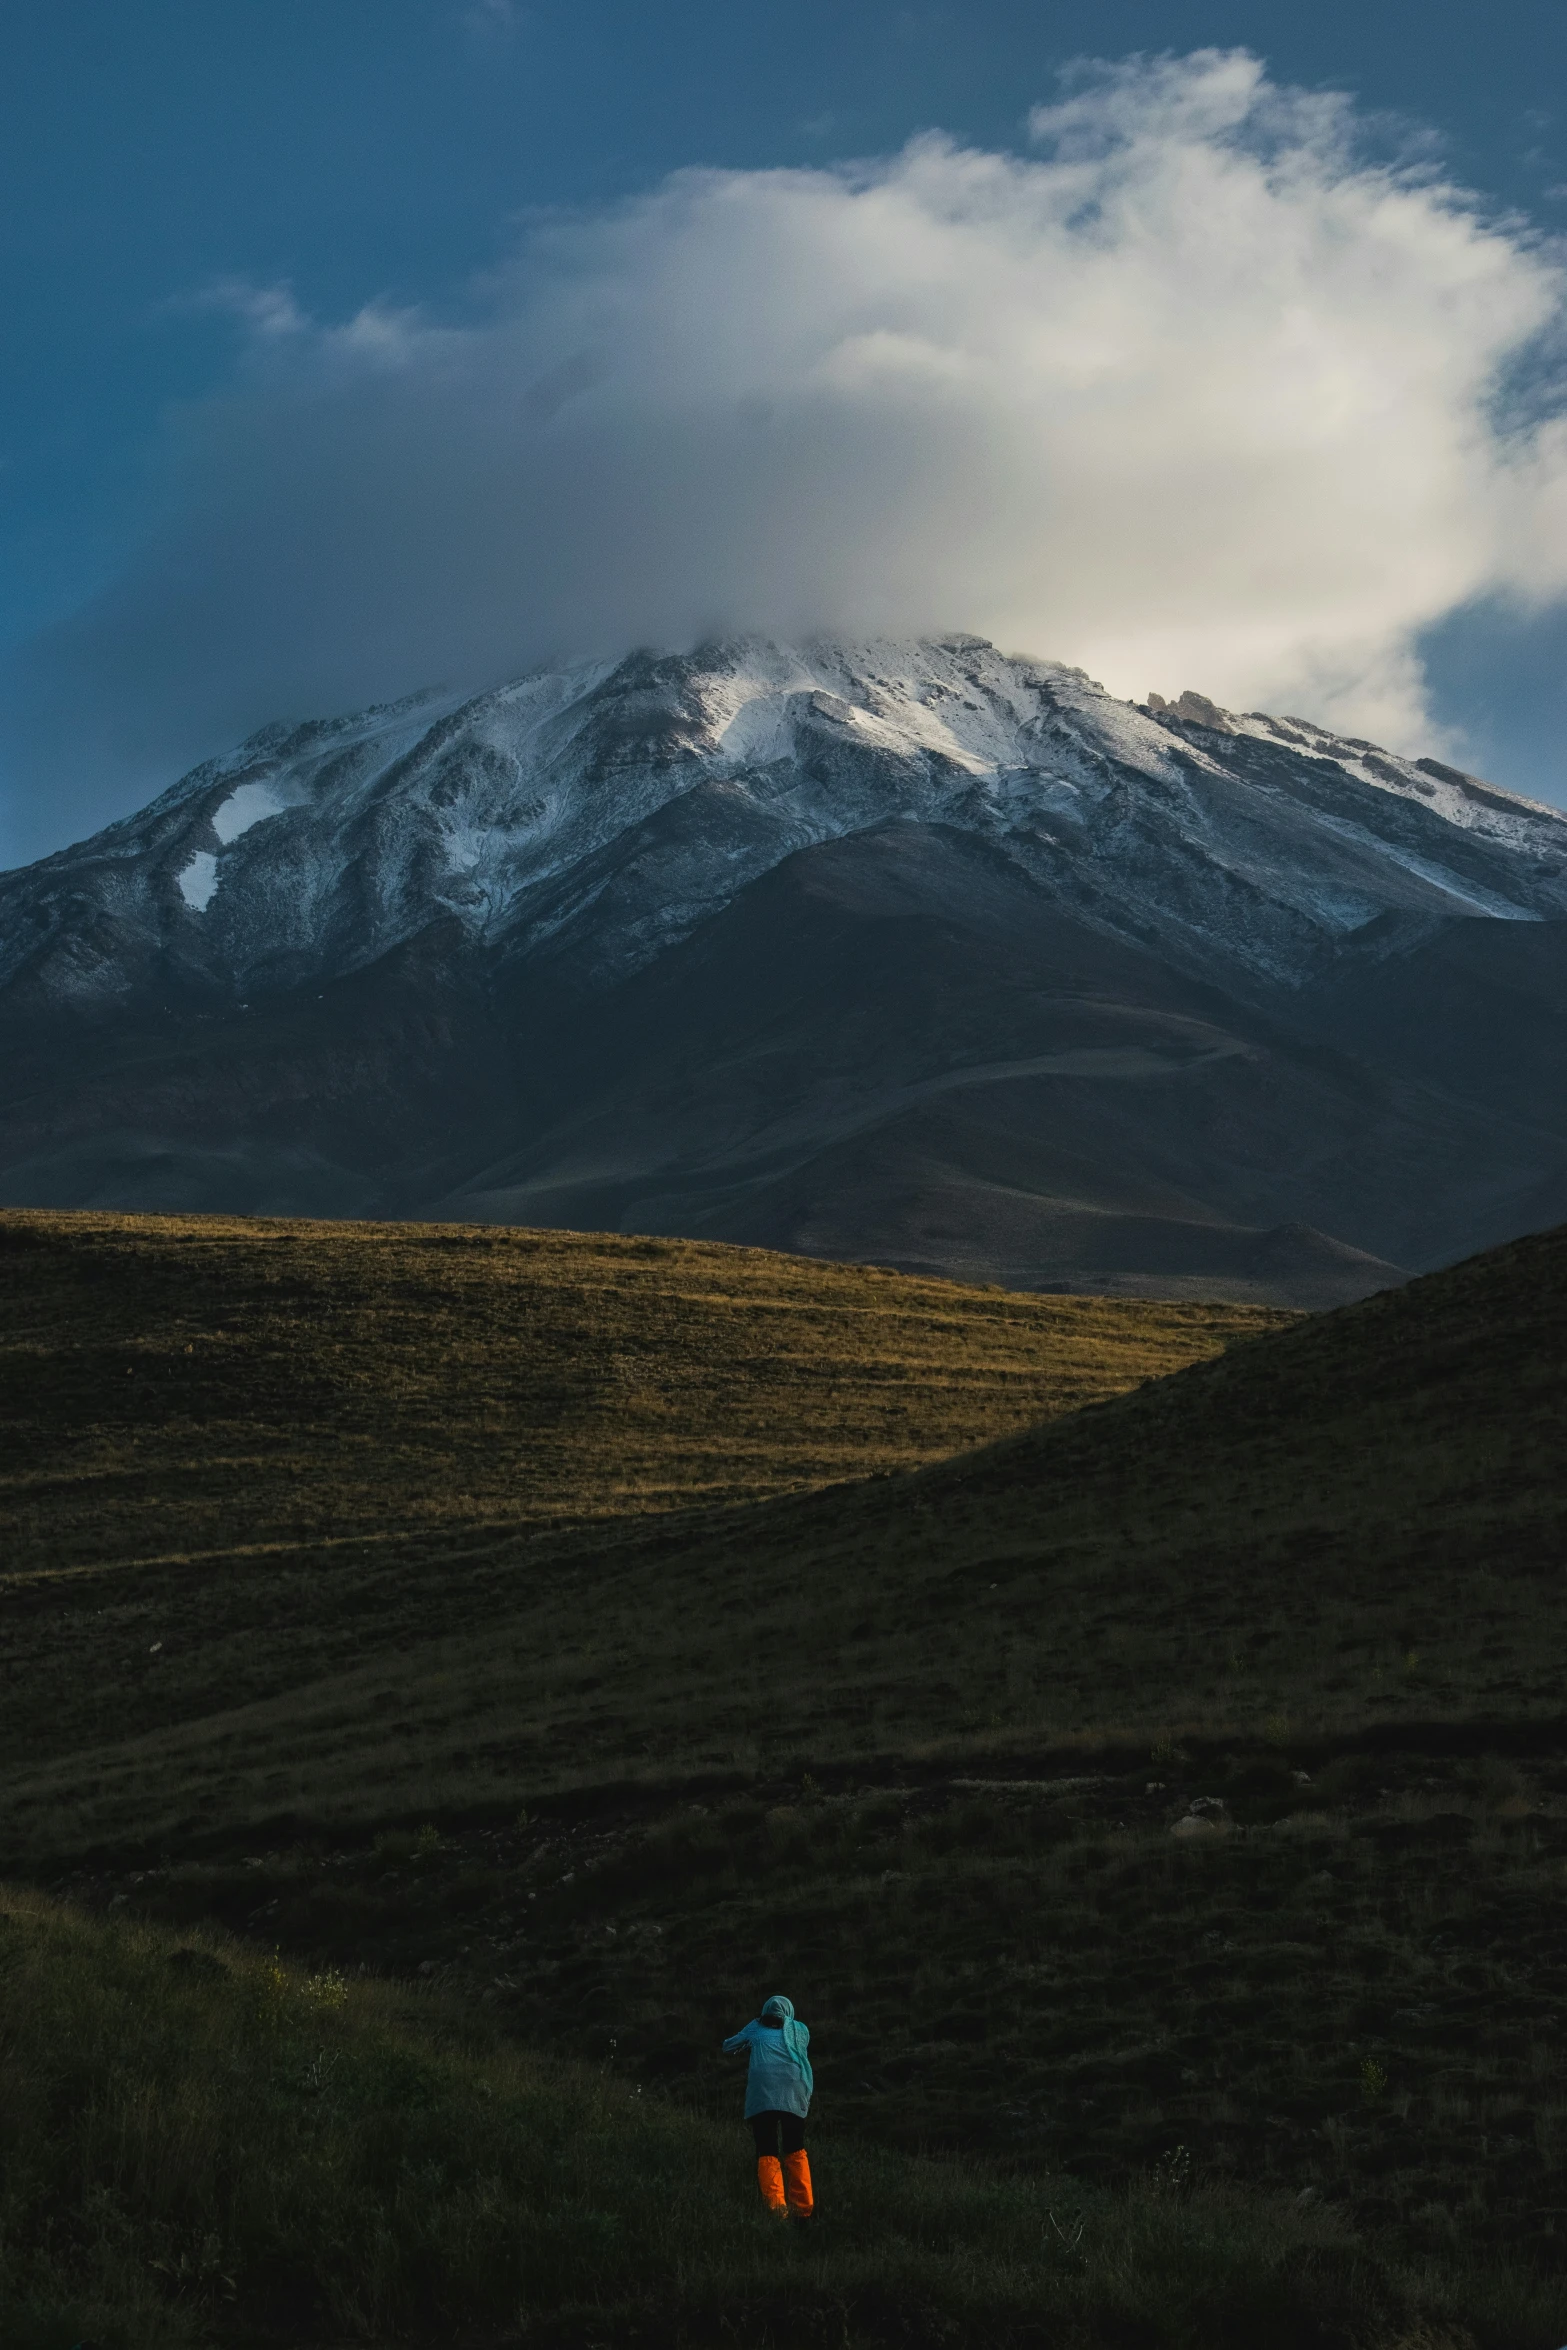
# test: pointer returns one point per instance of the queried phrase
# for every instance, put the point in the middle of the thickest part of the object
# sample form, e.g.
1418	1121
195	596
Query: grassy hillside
181	1385
200	2145
240	1454
1349	1990
924	1750
1357	1521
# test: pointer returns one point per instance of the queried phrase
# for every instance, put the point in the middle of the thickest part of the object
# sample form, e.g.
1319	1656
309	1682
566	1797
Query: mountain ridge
494	774
1114	988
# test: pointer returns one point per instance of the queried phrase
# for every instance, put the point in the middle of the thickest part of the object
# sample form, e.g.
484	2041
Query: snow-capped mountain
1115	991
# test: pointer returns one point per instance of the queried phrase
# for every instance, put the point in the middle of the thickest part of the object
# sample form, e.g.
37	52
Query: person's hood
793	2036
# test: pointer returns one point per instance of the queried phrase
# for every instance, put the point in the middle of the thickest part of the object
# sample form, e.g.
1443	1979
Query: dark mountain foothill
904	953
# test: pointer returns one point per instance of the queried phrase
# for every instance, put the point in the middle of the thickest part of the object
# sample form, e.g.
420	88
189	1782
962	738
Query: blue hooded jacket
779	2079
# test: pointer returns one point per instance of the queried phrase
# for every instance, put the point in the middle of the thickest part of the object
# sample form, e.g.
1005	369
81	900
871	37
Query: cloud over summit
1192	393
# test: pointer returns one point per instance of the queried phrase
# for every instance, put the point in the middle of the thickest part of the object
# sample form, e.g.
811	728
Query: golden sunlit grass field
180	1386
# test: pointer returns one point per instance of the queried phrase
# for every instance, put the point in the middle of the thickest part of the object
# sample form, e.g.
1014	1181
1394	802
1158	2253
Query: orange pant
785	2185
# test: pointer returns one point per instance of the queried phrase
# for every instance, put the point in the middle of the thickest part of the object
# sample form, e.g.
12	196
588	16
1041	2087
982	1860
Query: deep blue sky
385	148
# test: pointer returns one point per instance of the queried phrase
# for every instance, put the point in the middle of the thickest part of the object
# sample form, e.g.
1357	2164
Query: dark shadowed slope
883	1050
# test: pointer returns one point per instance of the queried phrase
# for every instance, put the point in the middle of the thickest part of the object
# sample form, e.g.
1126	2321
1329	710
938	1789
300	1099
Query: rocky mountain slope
910	952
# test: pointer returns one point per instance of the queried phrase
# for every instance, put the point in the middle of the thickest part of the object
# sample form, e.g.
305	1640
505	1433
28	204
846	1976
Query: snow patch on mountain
198	880
252	804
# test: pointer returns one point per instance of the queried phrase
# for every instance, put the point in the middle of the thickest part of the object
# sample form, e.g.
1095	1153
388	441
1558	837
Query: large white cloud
1192	394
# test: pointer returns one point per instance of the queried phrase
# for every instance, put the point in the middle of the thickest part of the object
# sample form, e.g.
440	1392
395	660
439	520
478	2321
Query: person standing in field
778	2087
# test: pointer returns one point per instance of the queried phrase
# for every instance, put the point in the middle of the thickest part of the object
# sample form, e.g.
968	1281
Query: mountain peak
552	858
317	846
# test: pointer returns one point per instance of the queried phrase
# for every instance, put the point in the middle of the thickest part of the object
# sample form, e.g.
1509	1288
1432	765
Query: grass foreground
199	2144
